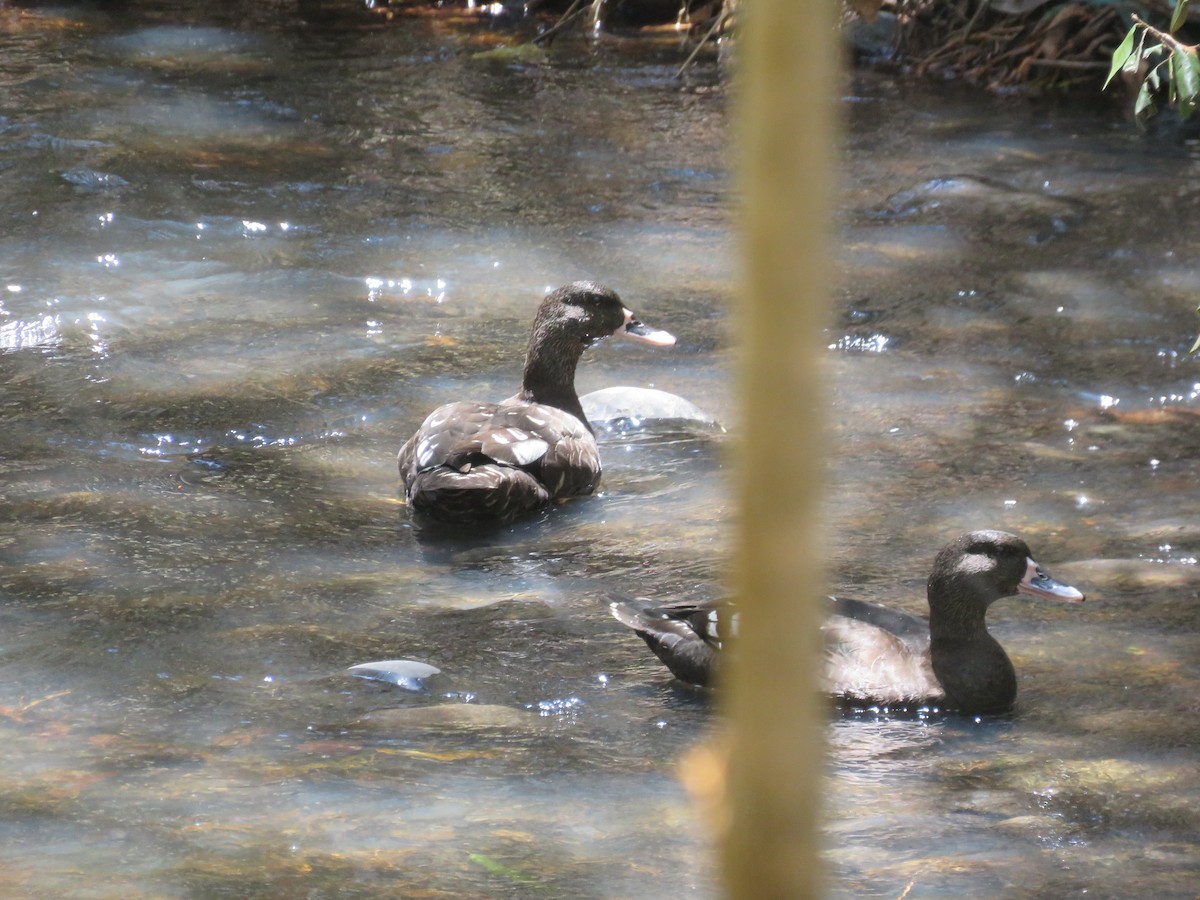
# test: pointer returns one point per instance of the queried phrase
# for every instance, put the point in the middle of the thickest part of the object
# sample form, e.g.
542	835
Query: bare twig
1068	64
966	32
722	16
1167	40
574	11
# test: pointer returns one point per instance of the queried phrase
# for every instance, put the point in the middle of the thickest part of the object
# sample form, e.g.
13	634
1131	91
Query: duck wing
877	655
873	655
452	435
472	462
569	462
911	629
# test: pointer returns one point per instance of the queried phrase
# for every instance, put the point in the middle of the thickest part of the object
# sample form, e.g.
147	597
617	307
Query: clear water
241	258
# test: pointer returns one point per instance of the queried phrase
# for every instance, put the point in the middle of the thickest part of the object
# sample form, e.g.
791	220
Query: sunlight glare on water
244	258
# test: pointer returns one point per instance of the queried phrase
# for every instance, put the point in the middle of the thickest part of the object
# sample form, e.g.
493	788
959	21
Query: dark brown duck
884	657
490	463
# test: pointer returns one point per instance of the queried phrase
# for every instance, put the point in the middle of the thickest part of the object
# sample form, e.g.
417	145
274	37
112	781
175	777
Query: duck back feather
487	462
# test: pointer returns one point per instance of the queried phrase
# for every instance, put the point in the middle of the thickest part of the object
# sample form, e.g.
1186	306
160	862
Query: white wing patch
424	452
509	436
529	449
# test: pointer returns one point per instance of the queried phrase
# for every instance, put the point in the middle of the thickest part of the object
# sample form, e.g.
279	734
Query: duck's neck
956	609
976	675
550	374
969	663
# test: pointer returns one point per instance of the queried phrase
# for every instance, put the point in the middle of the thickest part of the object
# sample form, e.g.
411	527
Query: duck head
585	313
978	569
570	320
968	576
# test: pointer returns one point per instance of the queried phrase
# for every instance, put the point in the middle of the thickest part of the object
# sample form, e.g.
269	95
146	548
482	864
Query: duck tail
672	640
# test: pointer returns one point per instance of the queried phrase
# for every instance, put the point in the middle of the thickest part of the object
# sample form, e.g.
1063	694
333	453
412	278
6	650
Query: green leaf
527	53
1143	109
1195	346
1180	15
498	868
1187	81
1121	55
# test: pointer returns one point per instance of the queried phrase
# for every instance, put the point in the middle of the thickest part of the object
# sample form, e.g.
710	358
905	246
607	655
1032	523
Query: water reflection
22	335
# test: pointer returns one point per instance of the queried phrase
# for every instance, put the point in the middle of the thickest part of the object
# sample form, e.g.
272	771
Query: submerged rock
405	673
623	408
91	180
451	716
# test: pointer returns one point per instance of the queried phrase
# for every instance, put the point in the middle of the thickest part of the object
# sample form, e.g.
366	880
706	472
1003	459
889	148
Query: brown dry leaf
1156	415
49	793
18	713
447	755
329	747
237	739
17	21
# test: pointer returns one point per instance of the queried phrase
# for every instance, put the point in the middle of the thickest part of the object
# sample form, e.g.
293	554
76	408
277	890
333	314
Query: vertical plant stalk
788	67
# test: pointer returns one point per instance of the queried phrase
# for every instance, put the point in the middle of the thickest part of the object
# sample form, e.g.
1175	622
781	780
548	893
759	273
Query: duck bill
1037	583
637	331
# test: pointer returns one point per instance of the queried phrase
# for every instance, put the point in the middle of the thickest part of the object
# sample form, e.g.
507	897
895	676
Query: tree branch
1167	40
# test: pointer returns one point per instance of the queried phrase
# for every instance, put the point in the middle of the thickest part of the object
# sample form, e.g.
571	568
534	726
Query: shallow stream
241	259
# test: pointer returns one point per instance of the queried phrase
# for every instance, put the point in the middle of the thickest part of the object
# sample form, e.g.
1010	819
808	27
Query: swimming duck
490	463
880	656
